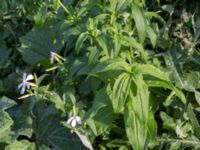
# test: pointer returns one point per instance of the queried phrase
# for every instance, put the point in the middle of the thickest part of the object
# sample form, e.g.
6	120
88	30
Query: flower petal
70	119
78	120
29	77
23	90
19	86
73	123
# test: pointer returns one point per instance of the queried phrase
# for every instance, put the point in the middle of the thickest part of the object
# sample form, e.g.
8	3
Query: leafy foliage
108	74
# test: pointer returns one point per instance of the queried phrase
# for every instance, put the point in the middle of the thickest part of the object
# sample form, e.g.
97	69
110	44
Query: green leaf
110	65
151	130
148	69
49	131
136	115
101	115
84	140
140	21
197	97
152	35
40	17
21	145
38	43
157	78
79	43
193	120
5	124
120	92
6	103
168	122
102	42
130	41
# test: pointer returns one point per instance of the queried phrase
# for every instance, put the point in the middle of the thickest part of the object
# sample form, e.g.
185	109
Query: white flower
24	85
74	121
52	57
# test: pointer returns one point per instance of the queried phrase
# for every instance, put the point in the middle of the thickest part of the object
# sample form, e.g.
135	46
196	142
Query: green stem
66	10
74	110
179	140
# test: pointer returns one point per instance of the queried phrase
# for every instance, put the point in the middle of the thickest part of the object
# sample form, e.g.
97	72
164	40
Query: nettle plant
96	83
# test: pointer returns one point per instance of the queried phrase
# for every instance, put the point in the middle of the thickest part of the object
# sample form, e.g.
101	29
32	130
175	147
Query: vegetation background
99	74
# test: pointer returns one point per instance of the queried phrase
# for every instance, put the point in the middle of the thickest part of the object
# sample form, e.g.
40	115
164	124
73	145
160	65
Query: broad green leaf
49	131
136	115
79	43
5	124
21	115
140	21
148	69
152	35
111	65
38	43
120	92
6	103
102	120
155	82
101	115
101	100
193	120
158	79
21	145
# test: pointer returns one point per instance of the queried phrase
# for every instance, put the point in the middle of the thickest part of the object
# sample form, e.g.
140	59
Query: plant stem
66	10
191	142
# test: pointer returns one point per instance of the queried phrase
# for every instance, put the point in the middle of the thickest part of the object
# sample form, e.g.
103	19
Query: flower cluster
74	121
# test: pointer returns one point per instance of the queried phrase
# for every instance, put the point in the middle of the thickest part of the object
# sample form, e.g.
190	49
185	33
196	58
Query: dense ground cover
99	74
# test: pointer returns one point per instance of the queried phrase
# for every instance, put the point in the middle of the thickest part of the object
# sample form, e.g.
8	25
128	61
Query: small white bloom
74	121
52	57
24	85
